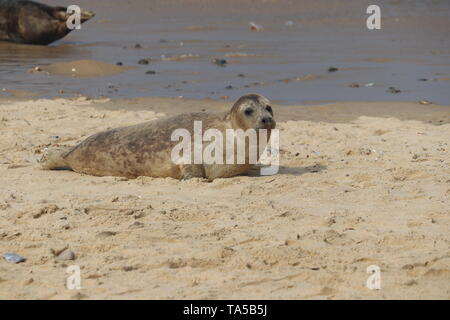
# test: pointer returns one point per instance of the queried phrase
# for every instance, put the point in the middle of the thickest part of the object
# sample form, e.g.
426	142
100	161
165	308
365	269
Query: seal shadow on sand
295	171
255	172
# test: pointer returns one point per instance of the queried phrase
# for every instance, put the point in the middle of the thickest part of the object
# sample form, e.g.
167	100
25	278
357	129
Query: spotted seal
30	22
146	149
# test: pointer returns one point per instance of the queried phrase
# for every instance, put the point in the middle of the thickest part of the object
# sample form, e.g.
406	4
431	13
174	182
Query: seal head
252	111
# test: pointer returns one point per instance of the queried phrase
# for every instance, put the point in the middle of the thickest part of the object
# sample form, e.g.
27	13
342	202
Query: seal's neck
234	121
229	119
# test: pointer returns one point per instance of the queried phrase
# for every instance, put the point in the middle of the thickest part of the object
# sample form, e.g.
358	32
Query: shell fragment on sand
13	258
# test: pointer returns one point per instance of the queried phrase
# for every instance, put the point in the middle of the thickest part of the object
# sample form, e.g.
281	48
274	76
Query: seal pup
146	149
30	22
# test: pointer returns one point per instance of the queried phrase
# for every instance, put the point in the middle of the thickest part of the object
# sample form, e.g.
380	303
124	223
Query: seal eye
269	108
248	111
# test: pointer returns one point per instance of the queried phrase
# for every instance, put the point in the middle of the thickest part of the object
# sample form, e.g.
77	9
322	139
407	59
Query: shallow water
287	63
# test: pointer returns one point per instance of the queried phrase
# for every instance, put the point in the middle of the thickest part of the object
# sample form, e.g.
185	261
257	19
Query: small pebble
220	62
332	69
393	90
138	46
136	225
255	27
106	234
67	254
13	258
143	61
150	72
119	64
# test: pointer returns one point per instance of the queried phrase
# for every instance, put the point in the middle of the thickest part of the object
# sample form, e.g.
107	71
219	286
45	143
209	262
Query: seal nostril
266	120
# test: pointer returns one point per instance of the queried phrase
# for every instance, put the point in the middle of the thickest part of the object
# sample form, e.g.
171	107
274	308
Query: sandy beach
356	187
364	176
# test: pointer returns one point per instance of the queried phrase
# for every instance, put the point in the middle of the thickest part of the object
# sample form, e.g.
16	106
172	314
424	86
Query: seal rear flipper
54	158
61	14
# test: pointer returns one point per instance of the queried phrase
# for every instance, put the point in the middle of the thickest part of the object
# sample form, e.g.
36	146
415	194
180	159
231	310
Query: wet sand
181	38
81	68
354	189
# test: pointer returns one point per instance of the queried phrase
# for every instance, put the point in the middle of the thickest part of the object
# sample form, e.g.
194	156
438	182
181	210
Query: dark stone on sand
241	75
332	69
150	72
229	87
143	61
393	90
119	64
220	62
425	79
30	22
137	46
